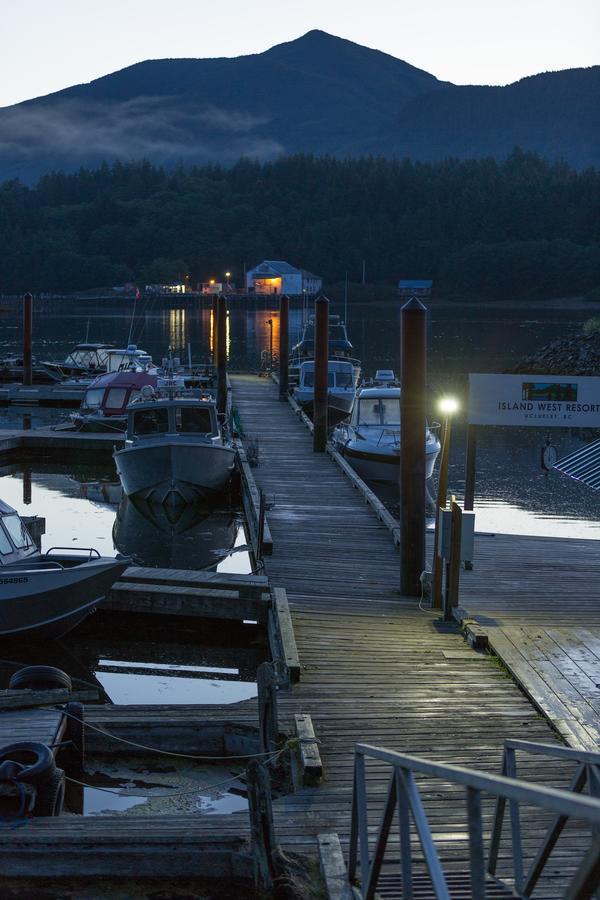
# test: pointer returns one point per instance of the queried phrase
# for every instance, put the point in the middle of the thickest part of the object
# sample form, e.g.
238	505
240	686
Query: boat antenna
346	299
87	331
129	339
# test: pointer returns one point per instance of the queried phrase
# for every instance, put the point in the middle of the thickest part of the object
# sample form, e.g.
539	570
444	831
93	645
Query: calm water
513	494
135	661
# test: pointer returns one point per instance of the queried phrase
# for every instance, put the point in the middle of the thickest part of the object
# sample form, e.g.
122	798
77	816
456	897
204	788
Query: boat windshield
343	379
193	420
379	411
309	379
115	399
151	421
5	544
17	531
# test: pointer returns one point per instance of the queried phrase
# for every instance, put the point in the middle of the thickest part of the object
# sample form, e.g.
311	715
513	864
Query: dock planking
374	667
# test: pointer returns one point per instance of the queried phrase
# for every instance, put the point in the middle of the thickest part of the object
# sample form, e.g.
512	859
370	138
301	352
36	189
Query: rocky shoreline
579	355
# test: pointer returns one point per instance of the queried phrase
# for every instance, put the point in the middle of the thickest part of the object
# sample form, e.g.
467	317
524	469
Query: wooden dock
374	667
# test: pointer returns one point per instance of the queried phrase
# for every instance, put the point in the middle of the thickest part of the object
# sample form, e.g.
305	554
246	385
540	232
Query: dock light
448	405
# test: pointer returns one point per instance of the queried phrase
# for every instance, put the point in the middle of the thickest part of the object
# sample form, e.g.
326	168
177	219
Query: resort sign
559	401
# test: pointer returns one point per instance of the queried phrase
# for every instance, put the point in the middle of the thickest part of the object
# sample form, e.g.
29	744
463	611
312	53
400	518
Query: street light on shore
448	406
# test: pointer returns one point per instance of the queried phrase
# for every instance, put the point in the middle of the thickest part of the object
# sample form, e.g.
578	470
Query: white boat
45	595
342	383
370	440
339	347
174	451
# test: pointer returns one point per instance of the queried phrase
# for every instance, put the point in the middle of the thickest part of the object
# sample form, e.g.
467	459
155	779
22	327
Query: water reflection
181	537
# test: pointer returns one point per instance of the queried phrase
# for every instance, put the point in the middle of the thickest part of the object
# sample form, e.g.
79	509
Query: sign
549	401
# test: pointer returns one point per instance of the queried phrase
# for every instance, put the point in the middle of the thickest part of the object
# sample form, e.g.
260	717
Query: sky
51	44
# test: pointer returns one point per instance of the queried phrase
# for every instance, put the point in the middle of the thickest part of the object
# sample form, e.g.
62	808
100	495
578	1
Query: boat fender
27	761
40	678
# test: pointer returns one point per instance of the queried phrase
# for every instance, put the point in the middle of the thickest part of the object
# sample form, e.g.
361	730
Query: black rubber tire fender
36	758
51	796
40	678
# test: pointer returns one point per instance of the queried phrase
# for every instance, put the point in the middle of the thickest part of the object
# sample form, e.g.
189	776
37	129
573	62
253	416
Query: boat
84	361
12	369
45	595
342	384
370	440
339	347
175	450
104	404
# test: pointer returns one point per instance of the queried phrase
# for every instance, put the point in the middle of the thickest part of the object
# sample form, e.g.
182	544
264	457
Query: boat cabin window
193	420
309	379
115	398
379	411
151	421
17	531
5	545
343	379
93	398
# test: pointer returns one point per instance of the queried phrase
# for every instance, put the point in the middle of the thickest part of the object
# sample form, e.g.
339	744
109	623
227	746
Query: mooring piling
321	356
27	338
284	345
413	351
222	355
215	319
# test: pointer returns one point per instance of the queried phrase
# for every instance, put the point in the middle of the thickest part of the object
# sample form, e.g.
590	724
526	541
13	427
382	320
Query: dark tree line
518	228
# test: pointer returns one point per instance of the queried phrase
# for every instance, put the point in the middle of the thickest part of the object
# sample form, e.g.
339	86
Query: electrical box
467	538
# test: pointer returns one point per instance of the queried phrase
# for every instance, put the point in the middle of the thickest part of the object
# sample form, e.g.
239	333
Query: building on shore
274	276
415	287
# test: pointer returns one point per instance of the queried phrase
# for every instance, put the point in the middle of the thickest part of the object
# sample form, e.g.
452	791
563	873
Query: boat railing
91	551
392	436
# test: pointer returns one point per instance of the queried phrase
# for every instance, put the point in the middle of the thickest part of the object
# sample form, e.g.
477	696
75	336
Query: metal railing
587	774
403	798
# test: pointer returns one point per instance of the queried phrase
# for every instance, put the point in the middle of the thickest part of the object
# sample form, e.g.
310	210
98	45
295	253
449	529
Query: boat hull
383	467
339	404
48	603
174	471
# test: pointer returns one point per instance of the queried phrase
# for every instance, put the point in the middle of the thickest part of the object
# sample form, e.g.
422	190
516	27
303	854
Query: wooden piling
27	339
215	318
284	345
222	355
321	357
266	683
412	457
470	467
262	833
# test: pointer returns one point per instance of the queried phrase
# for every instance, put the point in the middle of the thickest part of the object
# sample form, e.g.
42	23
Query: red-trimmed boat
104	404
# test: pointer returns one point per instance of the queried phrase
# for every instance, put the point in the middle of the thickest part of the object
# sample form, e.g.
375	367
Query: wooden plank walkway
375	668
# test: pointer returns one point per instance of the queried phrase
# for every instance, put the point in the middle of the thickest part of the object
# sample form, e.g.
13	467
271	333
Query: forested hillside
522	228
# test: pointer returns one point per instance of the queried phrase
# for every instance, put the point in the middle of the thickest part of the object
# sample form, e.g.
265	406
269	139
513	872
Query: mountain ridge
319	93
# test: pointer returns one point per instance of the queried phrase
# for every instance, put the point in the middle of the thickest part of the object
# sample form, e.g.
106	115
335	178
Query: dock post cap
414	305
27	296
322	299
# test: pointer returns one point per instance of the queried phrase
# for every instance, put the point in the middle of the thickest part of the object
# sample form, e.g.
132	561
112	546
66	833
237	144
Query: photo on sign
549	391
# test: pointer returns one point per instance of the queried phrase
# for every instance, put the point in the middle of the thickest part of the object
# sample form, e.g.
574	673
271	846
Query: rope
147	796
288	744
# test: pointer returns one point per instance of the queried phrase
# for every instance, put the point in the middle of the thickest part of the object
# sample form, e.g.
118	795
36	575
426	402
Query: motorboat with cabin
342	384
370	440
175	450
45	595
339	347
84	361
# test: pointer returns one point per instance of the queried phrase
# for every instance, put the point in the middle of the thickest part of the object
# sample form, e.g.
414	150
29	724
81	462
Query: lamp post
448	406
227	276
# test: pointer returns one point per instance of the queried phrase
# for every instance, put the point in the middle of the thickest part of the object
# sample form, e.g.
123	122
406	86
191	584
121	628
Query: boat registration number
14	580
